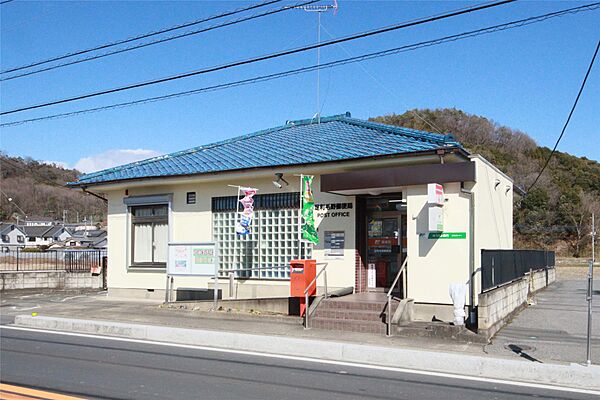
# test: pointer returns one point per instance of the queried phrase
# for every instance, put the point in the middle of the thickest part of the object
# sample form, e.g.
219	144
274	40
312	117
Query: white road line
315	360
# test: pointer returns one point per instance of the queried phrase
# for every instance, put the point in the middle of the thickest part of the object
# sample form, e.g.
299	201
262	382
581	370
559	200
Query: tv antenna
319	10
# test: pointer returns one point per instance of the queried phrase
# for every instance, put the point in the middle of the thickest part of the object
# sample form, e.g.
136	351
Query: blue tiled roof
336	138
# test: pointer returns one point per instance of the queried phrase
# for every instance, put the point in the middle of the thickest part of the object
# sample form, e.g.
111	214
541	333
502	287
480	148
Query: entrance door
386	240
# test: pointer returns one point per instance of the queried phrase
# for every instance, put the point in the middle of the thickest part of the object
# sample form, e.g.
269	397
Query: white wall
433	264
493	212
193	223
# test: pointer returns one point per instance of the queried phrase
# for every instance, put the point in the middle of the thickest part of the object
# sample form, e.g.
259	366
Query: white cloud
112	158
61	164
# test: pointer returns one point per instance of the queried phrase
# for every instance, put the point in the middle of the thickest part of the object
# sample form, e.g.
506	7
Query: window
20	239
266	252
5	238
31	239
149	235
191	197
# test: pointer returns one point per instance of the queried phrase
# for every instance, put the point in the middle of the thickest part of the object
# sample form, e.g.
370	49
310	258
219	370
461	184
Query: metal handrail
306	312
388	318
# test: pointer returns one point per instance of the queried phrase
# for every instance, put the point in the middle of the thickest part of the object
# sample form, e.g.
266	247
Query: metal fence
53	260
503	266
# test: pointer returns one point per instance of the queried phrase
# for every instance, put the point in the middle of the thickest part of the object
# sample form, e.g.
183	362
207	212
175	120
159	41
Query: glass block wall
266	252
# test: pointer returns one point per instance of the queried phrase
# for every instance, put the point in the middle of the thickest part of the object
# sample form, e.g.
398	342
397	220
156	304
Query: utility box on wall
436	219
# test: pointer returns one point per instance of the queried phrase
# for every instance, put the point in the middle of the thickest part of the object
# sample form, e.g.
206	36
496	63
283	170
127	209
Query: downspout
472	308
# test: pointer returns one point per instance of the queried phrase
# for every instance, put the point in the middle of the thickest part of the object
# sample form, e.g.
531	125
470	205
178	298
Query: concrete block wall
498	305
12	280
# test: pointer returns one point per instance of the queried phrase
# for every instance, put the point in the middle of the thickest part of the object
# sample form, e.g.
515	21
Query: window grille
266	252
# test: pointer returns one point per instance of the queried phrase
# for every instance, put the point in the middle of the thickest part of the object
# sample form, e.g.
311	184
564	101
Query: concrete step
334	304
348	325
354	315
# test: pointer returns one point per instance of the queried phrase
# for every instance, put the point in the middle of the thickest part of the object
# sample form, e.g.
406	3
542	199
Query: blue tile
336	138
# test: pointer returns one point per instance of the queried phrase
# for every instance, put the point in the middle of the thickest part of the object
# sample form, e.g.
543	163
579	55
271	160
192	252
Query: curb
573	375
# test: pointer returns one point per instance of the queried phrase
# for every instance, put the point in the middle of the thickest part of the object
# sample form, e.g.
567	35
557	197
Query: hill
556	212
38	189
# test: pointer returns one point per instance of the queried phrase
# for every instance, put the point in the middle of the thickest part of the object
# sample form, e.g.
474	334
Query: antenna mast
319	10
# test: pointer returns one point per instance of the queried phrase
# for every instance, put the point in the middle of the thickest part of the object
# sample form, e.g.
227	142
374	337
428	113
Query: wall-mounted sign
435	194
333	210
334	244
371	275
447	235
436	219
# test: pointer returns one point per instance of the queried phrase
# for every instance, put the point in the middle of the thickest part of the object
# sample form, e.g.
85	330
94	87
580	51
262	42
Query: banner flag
307	210
242	226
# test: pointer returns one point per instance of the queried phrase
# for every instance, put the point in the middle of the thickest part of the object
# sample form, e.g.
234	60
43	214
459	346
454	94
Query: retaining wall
10	280
498	305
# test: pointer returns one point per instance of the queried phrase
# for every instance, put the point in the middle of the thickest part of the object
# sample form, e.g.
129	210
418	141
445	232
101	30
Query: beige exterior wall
433	264
193	223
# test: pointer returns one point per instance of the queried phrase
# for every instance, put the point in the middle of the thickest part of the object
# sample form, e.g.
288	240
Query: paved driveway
555	328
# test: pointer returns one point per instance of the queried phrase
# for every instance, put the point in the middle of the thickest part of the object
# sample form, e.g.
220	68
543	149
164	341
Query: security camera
279	179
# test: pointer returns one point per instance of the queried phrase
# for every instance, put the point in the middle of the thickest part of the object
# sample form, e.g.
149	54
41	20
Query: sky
525	78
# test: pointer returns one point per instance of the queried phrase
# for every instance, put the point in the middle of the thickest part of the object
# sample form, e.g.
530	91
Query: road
109	368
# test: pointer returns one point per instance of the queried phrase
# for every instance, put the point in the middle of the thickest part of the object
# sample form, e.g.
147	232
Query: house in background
44	235
12	236
83	239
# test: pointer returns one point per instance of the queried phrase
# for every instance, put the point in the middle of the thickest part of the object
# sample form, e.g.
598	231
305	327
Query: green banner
307	208
447	235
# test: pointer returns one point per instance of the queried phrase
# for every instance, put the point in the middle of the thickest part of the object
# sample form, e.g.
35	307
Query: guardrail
313	282
388	315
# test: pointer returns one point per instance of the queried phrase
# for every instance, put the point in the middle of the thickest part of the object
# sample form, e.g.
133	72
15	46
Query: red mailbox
302	273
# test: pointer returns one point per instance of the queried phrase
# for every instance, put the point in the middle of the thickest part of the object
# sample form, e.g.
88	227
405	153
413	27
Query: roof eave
455	149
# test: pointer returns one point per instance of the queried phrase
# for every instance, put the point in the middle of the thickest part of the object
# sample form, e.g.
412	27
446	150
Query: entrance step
362	312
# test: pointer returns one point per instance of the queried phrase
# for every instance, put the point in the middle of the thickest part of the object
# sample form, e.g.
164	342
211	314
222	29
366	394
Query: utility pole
319	10
590	292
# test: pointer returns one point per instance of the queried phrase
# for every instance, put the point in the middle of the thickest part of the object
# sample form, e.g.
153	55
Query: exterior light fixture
278	181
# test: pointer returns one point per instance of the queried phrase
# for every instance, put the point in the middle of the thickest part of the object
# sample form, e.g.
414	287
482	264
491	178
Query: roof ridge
415	133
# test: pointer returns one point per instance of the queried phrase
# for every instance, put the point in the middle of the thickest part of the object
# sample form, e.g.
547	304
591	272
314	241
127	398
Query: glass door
386	240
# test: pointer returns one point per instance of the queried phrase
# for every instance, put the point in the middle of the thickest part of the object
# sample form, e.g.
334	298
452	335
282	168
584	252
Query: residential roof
335	138
7	227
35	230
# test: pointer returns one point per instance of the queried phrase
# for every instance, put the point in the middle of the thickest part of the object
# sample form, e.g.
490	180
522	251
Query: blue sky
525	78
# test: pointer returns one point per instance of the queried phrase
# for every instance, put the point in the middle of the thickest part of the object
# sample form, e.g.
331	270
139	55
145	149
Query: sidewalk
95	313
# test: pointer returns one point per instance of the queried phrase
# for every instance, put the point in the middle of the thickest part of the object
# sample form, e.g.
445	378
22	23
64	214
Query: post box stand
302	273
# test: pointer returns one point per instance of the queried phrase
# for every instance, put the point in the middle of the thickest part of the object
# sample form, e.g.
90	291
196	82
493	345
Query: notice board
193	259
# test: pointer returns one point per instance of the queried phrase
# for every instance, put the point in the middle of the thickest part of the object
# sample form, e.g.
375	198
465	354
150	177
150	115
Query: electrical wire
263	57
263	78
157	41
568	118
138	37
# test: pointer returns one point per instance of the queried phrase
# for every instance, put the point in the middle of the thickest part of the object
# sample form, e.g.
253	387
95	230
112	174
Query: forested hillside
556	212
38	190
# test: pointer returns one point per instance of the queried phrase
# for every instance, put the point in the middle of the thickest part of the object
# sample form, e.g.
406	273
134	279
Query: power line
5	1
264	57
141	36
263	78
157	41
568	118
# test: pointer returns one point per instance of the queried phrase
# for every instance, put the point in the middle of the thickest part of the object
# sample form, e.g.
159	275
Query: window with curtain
149	235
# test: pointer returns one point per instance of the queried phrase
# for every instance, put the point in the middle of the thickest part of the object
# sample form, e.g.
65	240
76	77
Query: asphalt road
103	368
